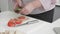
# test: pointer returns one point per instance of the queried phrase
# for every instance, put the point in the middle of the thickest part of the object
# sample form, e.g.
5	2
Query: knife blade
28	23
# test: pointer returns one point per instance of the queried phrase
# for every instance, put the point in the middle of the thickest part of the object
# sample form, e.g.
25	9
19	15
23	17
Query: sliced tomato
21	17
18	22
11	23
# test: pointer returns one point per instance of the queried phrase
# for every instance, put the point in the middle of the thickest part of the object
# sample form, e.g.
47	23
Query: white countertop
48	28
40	27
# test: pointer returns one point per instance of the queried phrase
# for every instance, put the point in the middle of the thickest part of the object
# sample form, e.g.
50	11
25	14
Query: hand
30	7
27	9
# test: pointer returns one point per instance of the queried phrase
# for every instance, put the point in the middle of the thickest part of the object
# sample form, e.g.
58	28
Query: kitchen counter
48	28
41	27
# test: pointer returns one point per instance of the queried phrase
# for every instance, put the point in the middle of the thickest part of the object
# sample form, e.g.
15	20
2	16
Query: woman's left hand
30	7
27	9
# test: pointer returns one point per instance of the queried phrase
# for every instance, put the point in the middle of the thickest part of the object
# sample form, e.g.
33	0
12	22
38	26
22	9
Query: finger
15	6
24	11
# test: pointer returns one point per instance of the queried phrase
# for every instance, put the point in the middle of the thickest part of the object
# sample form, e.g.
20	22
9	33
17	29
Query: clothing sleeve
46	4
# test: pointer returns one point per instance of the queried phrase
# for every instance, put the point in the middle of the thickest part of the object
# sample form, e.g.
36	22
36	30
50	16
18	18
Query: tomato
18	21
11	23
21	17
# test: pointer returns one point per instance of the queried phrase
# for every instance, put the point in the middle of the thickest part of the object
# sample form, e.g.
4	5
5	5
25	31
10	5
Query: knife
28	23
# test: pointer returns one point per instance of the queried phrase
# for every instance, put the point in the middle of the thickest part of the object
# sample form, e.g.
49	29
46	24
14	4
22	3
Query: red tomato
21	17
18	22
11	23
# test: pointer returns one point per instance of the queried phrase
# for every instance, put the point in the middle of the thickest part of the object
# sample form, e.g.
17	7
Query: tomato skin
18	22
11	23
21	17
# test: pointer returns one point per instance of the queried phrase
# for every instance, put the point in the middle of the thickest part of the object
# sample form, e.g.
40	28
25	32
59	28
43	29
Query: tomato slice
21	17
11	23
18	21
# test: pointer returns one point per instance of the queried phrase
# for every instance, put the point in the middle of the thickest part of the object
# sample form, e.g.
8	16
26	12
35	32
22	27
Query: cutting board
7	15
